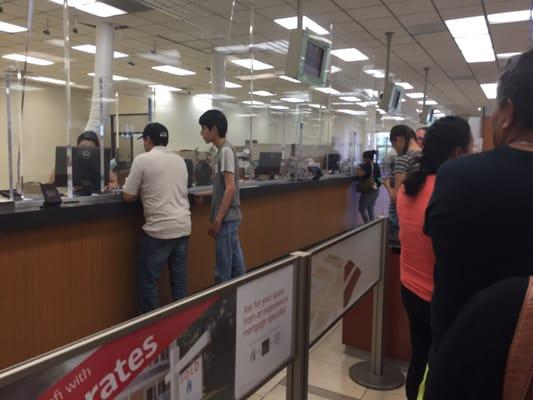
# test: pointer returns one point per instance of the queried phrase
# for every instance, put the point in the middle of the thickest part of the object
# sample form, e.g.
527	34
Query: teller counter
69	272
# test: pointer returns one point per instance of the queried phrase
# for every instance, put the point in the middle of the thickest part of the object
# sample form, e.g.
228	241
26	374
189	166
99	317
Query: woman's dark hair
404	131
91	136
442	139
215	118
369	154
516	84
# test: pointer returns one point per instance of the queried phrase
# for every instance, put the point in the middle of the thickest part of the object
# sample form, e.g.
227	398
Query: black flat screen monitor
269	164
85	169
332	161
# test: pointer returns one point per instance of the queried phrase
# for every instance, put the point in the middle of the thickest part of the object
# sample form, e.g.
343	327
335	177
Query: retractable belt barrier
224	342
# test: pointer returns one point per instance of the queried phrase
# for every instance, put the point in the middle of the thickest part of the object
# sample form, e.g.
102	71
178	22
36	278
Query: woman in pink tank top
447	138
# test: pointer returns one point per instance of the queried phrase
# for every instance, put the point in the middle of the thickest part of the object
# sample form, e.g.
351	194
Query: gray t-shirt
226	161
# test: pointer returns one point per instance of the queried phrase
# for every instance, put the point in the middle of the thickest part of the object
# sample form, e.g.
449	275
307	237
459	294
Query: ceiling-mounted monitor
427	116
308	58
391	100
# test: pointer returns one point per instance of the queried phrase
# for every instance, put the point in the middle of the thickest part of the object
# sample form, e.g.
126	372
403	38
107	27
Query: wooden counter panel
59	284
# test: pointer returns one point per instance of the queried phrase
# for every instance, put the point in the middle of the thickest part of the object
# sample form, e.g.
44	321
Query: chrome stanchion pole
375	374
298	369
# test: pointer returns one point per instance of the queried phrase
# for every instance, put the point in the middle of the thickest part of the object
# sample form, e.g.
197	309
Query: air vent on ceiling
424	29
130	6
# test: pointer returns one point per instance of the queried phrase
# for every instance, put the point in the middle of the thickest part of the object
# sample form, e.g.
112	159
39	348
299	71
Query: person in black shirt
370	181
479	217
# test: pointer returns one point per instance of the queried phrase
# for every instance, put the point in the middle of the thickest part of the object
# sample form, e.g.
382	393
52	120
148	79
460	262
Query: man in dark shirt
479	218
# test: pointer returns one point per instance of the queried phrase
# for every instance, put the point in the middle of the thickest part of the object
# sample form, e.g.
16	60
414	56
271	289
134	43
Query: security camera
75	30
131	62
46	31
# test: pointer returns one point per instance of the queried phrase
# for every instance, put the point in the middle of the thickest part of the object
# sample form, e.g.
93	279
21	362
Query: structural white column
103	69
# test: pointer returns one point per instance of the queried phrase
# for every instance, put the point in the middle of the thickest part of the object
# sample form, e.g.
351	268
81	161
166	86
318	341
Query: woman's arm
399	177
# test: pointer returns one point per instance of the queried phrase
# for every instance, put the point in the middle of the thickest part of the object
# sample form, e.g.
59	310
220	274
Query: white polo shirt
160	178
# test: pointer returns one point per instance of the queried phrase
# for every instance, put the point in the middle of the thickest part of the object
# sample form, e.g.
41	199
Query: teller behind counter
85	166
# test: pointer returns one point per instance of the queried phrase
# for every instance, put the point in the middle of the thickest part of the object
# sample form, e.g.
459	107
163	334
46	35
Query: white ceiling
195	27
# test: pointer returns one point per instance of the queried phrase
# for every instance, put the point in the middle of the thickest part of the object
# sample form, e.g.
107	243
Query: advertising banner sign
263	328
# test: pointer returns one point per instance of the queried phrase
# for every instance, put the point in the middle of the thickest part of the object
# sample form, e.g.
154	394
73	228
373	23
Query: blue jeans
367	202
229	258
154	255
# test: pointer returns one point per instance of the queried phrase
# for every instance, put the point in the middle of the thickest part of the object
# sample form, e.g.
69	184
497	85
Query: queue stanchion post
298	369
375	373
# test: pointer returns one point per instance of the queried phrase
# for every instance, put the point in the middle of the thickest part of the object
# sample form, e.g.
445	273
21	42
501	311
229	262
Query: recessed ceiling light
279	107
169	69
288	78
292	23
231	85
508	17
490	90
11	28
429	102
166	88
503	56
252	102
327	90
350	112
91	49
248	63
343	103
292	100
349	55
263	93
415	95
93	7
116	78
334	69
350	98
393	118
405	85
255	77
371	92
28	59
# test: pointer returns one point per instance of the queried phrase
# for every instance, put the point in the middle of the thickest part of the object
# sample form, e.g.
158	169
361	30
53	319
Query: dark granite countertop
29	214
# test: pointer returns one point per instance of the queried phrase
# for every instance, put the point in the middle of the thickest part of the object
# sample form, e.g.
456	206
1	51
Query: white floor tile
398	394
333	378
278	393
267	387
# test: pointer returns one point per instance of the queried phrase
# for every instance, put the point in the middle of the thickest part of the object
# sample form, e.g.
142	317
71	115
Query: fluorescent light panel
376	73
349	98
93	7
255	77
350	112
490	90
292	23
116	78
327	90
415	95
367	103
279	107
288	78
263	93
47	80
503	56
334	69
349	55
509	17
91	49
472	37
28	59
252	102
292	100
248	63
169	69
231	85
166	88
429	102
405	85
11	28
318	106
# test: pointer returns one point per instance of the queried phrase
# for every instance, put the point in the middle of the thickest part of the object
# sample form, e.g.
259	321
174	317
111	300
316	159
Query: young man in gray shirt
225	204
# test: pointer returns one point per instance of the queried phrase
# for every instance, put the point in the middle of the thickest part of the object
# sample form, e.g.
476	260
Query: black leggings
418	312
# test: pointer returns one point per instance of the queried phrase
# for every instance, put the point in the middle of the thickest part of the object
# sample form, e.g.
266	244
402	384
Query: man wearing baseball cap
159	178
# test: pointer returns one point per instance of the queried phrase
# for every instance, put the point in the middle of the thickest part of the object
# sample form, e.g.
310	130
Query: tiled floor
328	376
